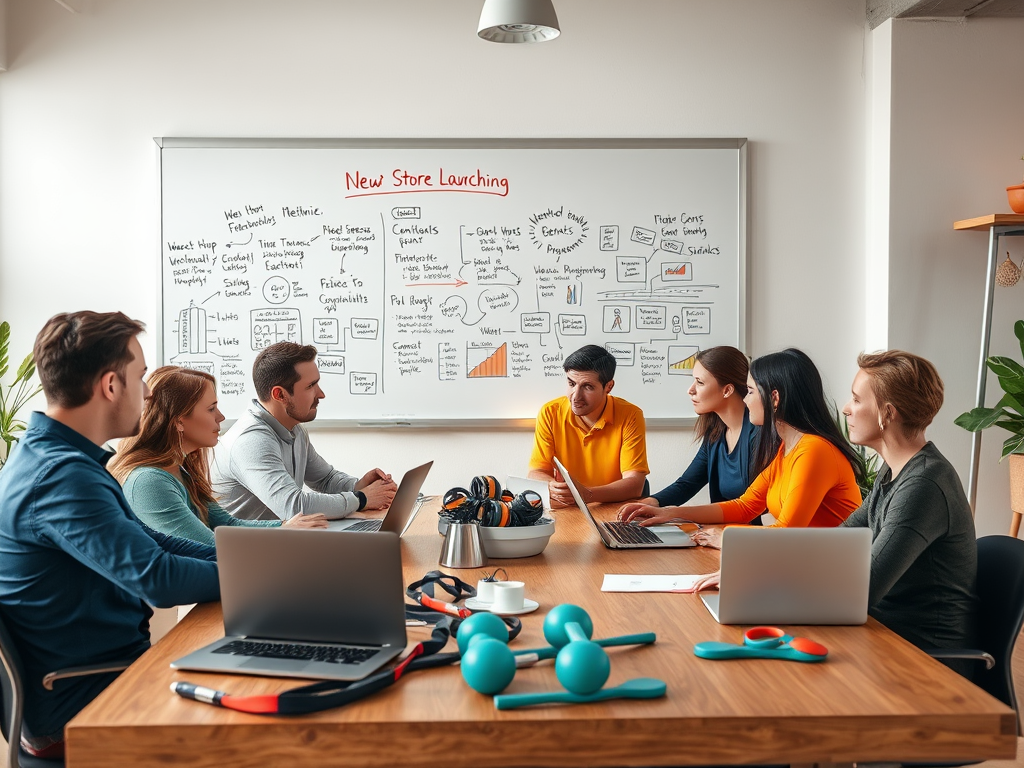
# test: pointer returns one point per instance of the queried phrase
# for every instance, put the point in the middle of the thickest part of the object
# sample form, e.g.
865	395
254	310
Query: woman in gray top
924	550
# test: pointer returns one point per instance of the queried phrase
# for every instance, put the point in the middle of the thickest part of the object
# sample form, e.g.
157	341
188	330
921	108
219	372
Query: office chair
1000	617
12	692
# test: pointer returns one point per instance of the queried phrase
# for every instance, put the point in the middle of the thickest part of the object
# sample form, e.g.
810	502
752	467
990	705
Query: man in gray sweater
265	459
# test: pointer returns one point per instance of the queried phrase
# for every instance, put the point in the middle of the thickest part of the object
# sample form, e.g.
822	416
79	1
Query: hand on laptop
710	581
305	521
646	515
709	537
379	493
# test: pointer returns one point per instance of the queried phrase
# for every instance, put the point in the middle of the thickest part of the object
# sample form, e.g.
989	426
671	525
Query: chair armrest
92	669
962	653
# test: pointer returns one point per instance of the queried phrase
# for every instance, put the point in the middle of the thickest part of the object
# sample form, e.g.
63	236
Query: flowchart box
326	330
671	246
631	269
364	327
676	270
330	363
362	383
573	325
609	237
624	354
616	319
536	322
272	325
651	317
643	236
697	320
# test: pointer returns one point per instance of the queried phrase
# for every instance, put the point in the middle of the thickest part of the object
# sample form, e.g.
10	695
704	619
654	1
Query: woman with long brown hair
165	469
725	461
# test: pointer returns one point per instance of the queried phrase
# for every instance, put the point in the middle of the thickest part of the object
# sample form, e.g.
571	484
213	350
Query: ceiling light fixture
518	21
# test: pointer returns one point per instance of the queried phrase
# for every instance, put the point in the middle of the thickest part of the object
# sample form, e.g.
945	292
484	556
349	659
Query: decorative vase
1016	198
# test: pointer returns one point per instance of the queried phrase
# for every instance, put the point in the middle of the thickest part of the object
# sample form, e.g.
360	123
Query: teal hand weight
581	664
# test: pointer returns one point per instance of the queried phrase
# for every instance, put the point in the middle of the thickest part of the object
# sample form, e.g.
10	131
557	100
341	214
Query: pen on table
198	693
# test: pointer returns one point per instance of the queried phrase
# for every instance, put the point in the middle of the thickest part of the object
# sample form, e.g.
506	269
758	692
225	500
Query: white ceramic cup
485	590
509	596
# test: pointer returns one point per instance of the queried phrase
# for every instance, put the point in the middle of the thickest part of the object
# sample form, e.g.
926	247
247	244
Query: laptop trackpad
670	534
273	665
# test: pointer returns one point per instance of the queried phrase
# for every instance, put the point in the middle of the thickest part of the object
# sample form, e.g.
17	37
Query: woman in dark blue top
725	461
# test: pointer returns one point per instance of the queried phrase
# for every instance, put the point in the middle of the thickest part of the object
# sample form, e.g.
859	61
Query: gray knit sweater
259	469
924	554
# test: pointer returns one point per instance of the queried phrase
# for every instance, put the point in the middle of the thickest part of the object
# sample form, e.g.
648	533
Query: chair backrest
1001	614
12	691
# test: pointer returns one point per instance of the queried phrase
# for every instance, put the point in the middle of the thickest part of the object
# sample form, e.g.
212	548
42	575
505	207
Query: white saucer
529	606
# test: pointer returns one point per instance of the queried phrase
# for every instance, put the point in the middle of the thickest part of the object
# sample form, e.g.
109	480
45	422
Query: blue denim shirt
77	568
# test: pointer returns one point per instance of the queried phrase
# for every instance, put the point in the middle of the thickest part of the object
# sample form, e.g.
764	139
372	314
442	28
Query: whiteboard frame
741	146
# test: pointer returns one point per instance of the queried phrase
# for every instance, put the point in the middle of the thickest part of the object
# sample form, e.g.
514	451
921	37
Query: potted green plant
1008	414
18	393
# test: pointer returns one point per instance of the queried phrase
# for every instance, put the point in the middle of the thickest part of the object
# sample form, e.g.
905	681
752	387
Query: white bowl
522	541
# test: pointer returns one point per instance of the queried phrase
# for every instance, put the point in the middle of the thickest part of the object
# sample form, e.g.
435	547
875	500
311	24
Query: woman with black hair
811	479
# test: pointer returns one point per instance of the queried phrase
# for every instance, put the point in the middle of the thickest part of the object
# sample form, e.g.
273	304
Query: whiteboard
444	282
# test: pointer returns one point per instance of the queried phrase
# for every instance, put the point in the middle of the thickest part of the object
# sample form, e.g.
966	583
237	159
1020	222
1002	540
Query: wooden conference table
876	698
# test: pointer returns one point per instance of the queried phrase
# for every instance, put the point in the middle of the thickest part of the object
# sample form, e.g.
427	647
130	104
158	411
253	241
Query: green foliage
17	394
871	462
1009	411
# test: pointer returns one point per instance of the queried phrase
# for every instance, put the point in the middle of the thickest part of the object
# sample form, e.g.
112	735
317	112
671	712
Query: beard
302	418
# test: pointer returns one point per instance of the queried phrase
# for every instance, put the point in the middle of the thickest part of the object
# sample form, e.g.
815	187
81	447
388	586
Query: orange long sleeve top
812	486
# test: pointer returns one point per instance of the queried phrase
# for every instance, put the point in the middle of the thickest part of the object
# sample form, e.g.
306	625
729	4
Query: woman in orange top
812	480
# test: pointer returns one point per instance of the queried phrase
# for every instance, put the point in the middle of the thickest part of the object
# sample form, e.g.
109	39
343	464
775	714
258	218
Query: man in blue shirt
77	568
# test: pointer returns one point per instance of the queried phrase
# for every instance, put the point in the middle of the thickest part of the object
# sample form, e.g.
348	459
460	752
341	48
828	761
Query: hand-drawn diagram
192	331
487	362
271	325
681	360
616	319
414	299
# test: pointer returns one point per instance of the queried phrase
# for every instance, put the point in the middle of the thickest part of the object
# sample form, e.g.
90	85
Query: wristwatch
362	500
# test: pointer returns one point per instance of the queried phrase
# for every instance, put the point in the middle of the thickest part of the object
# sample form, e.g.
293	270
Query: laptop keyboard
631	534
364	526
328	653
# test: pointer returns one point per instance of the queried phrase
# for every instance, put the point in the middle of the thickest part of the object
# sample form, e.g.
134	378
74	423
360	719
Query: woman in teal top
165	469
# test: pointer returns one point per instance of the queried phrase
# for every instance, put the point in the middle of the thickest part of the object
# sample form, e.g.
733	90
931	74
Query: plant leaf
5	340
1005	367
1014	444
1012	400
26	369
978	419
1018	331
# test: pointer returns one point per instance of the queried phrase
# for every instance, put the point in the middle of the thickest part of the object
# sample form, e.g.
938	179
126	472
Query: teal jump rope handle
644	638
718	651
639	688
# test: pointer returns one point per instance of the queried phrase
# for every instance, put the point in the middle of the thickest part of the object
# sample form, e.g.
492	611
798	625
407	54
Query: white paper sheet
626	582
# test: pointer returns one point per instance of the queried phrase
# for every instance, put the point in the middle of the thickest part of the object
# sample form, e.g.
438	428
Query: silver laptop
306	603
400	514
627	535
793	576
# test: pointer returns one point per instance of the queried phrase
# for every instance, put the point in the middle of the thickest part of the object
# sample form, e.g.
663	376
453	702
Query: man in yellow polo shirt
601	440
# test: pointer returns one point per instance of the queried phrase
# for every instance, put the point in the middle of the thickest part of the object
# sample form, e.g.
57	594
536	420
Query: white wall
956	145
85	93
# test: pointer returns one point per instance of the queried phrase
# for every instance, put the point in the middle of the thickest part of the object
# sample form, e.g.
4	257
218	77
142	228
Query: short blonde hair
908	383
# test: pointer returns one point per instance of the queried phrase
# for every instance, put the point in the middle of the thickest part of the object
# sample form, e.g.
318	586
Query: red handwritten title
404	182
